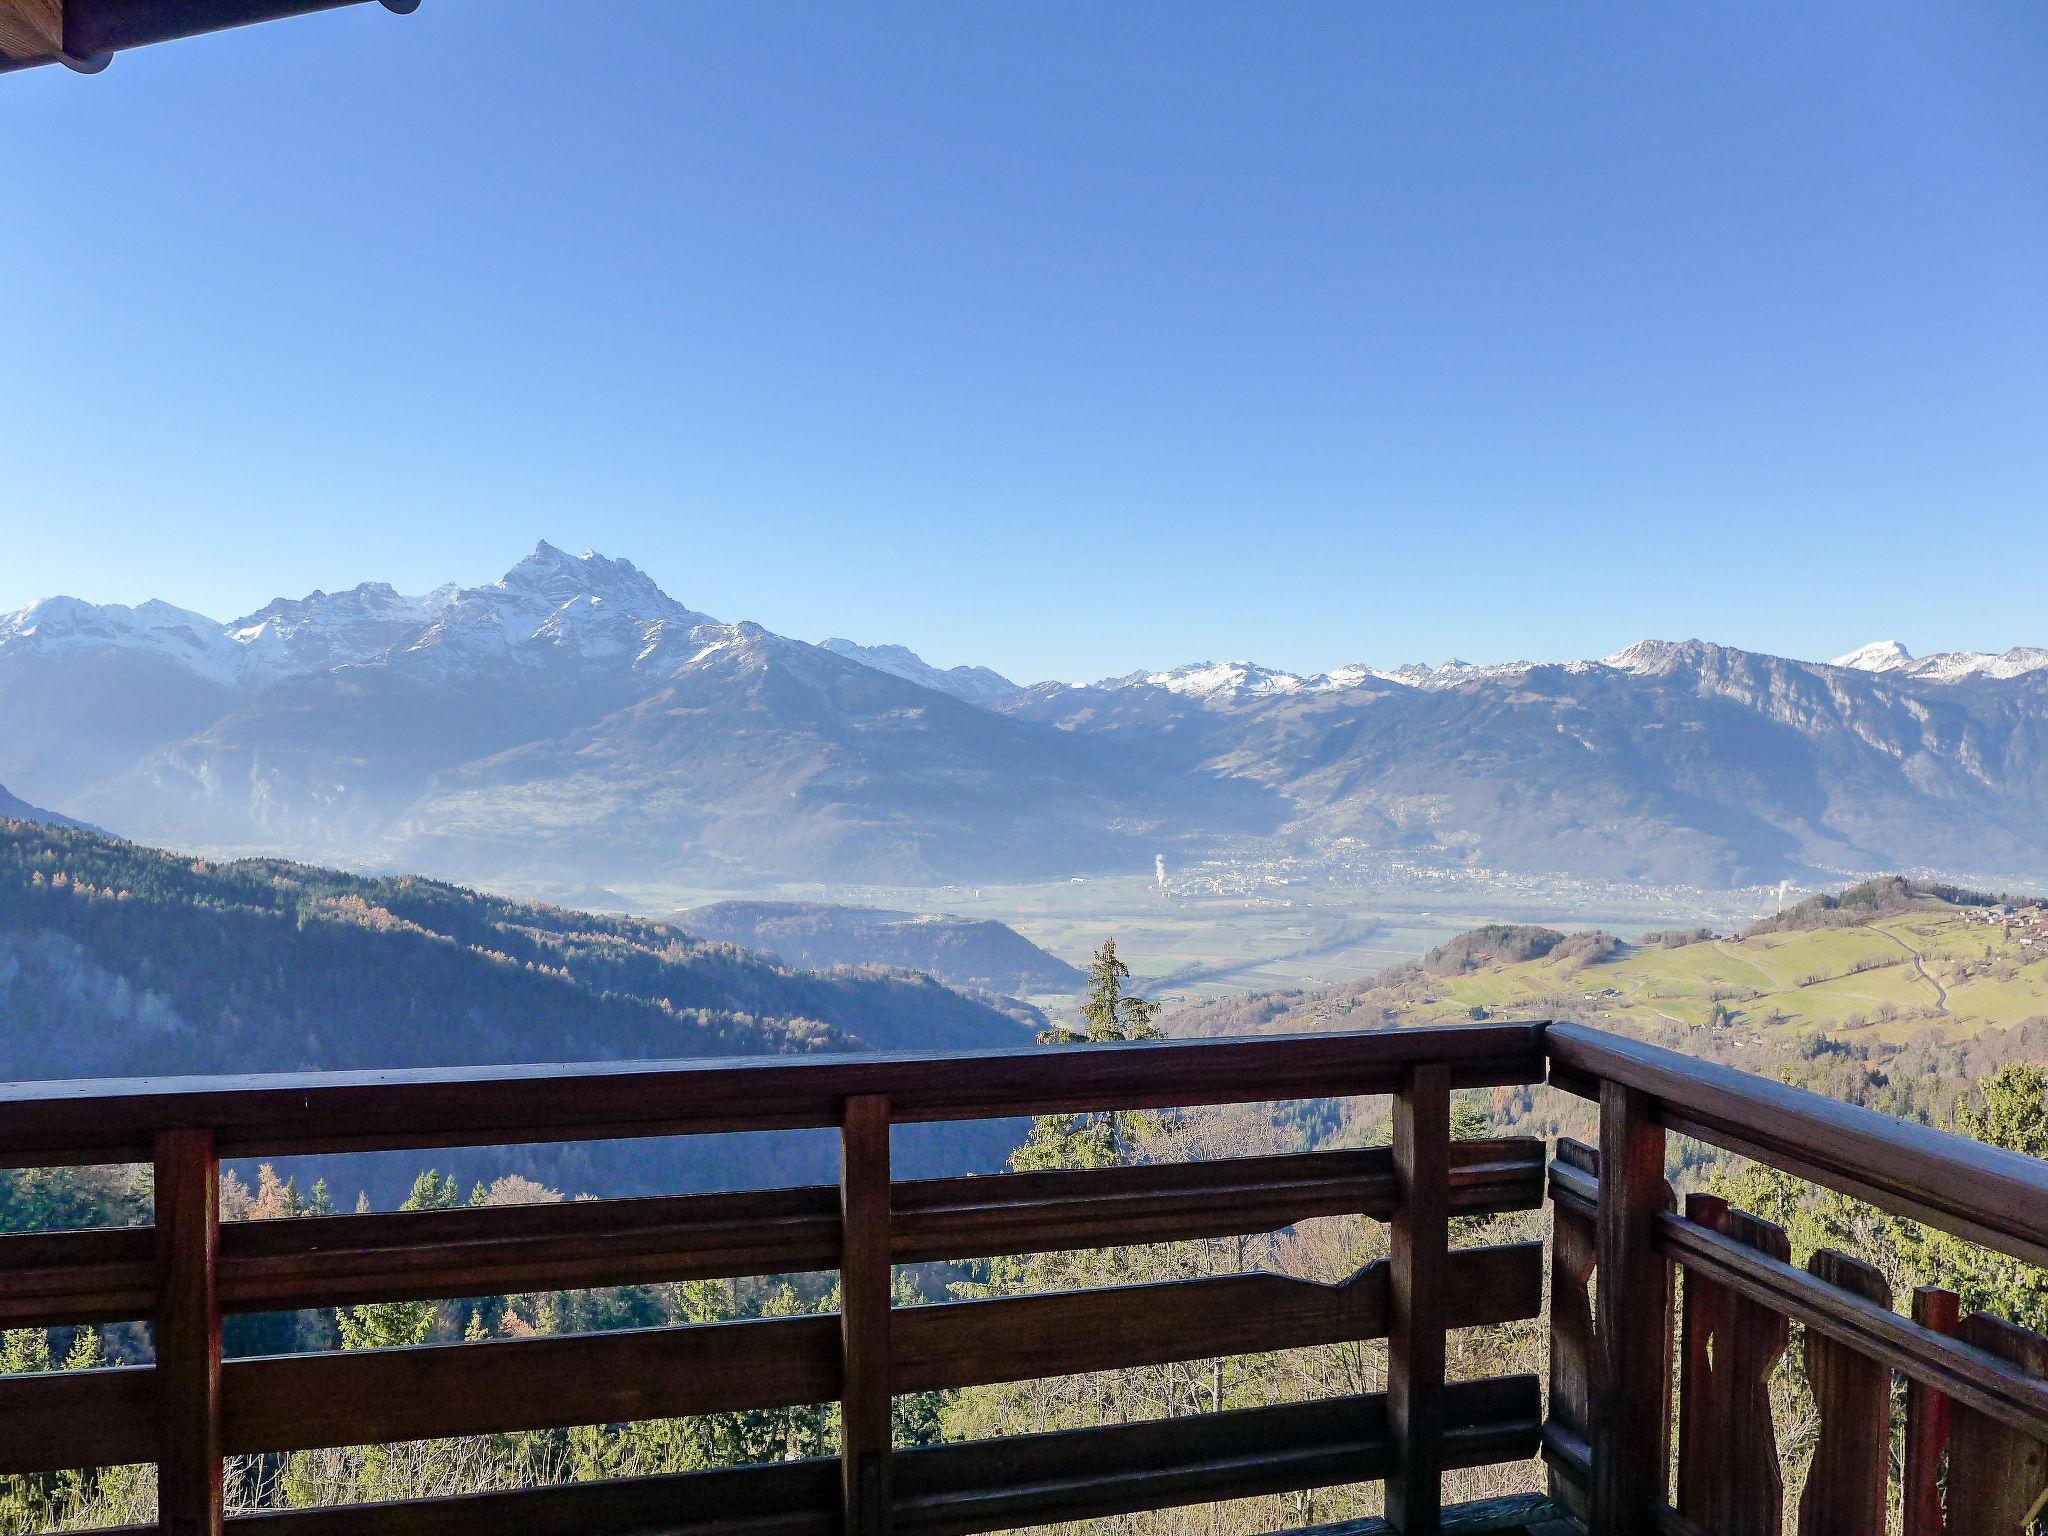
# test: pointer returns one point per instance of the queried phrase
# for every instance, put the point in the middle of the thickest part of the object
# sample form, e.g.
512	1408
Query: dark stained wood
101	1276
300	1402
187	1335
359	1397
958	1489
1574	1250
1014	1338
1094	1473
1047	1212
1631	1401
113	1120
1846	1480
783	1499
1418	1283
31	29
1972	1376
54	1278
866	1351
1984	1193
1728	1478
1512	1513
276	1266
77	1418
1997	1474
1927	1424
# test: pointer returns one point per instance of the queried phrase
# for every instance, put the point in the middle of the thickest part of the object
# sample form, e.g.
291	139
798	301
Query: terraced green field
1970	975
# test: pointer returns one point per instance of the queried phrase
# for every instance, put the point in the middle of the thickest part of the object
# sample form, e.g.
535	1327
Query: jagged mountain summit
1945	666
572	724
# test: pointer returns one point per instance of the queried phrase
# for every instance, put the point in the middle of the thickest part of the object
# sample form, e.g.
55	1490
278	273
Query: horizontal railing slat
300	1402
111	1120
274	1266
958	1490
1983	1193
961	1344
1096	1473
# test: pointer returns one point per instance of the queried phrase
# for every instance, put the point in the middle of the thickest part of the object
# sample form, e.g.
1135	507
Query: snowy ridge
1945	666
975	685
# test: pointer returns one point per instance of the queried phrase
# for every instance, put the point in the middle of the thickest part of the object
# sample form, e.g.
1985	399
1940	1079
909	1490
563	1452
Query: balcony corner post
1631	1382
1418	1264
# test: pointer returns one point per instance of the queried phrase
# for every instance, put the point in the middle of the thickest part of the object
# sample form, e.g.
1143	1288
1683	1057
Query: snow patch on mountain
976	685
1945	666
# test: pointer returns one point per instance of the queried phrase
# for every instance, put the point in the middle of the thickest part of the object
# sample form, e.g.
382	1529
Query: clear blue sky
1067	338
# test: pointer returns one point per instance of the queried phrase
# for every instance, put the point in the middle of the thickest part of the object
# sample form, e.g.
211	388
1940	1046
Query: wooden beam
1631	1402
188	1363
1418	1283
31	29
866	1358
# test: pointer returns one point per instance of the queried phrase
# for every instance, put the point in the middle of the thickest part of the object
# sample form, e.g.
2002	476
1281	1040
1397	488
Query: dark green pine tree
1112	1016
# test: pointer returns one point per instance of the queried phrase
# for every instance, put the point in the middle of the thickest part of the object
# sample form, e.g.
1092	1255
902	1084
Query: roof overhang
85	34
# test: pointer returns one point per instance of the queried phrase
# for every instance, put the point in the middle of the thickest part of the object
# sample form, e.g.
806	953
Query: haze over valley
574	732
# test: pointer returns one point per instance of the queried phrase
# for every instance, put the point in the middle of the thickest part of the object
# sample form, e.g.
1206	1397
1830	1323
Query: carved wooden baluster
1574	1253
865	1349
1845	1484
1927	1423
1728	1445
1996	1475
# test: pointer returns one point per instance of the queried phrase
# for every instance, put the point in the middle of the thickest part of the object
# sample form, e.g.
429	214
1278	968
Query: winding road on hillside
1920	965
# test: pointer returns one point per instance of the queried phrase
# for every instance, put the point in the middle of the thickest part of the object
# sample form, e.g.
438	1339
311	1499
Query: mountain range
572	724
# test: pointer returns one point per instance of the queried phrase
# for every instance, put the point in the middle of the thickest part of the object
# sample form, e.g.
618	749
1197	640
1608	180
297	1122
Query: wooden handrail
1983	1193
115	1120
192	1408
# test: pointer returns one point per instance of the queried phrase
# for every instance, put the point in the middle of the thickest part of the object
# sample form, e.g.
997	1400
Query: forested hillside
960	951
118	960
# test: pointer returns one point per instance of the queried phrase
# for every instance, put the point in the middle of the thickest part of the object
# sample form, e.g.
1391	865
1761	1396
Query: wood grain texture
114	1120
867	1362
1967	1375
1418	1282
1574	1251
955	1490
1927	1424
50	1279
1846	1480
301	1402
1728	1478
31	29
187	1335
1631	1397
1997	1474
1984	1193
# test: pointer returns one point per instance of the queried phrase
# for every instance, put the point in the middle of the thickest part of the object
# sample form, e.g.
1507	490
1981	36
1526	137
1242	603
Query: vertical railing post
864	1271
1419	1246
1631	1382
187	1334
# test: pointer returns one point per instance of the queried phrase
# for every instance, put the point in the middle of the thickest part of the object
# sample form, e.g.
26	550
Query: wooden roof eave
85	34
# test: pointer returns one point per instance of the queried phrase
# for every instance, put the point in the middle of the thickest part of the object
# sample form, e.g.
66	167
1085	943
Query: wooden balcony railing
1978	1389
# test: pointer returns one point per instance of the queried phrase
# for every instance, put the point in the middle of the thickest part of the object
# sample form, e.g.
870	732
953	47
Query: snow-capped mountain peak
1878	656
158	628
1945	666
